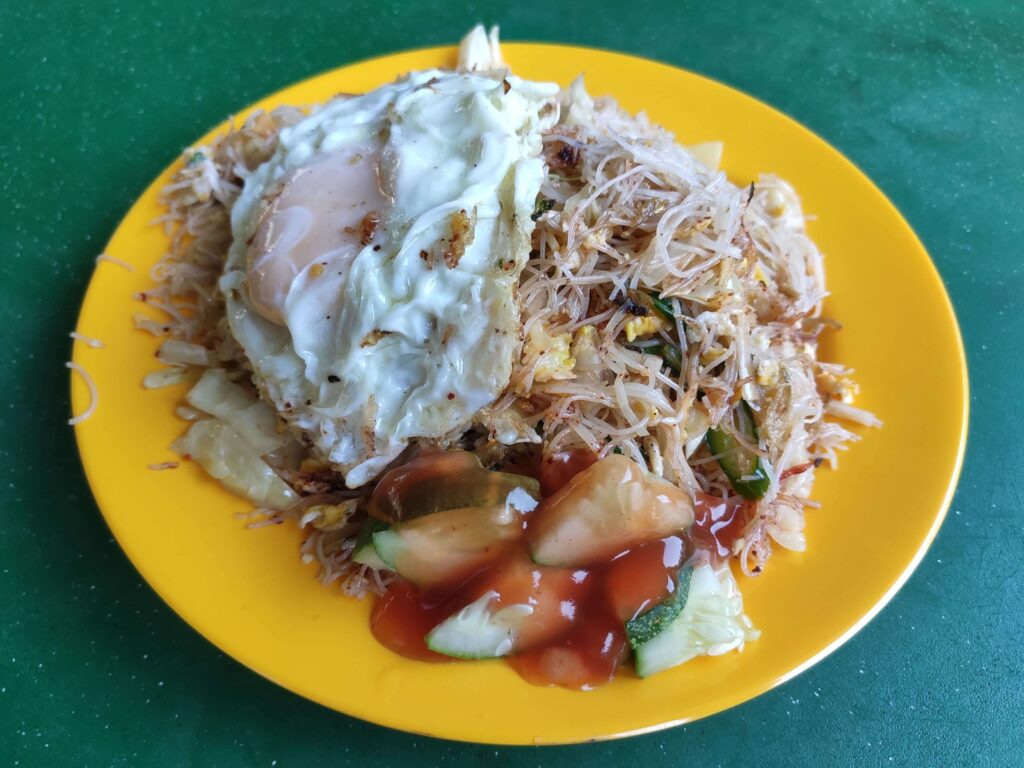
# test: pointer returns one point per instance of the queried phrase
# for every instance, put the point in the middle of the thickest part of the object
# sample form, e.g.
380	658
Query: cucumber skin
713	600
387	543
720	443
364	552
653	622
462	656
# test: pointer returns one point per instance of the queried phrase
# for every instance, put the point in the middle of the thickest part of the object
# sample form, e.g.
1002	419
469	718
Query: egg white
441	337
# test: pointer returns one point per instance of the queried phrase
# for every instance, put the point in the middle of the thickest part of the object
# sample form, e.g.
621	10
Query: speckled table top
98	97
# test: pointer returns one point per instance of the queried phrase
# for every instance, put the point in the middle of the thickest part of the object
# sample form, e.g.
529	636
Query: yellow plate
247	591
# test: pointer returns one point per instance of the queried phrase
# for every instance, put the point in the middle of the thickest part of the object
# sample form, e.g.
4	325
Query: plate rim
951	483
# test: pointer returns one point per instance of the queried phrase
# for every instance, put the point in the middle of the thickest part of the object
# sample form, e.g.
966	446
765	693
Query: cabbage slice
242	411
225	455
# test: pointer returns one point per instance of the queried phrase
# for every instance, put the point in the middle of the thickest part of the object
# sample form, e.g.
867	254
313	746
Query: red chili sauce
583	641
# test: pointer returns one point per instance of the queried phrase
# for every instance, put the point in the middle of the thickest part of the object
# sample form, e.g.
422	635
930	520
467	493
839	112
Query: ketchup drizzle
587	645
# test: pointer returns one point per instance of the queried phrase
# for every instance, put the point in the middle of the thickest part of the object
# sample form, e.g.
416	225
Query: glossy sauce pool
581	612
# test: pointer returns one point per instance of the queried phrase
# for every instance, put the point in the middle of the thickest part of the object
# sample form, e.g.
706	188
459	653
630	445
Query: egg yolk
319	216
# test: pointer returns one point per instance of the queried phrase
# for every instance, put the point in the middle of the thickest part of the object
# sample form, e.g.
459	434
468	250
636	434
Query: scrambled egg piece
550	356
584	347
313	466
838	387
643	326
597	239
331	514
713	355
768	373
709	154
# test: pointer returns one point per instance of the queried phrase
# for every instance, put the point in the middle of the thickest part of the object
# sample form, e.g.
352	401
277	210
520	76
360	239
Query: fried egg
372	275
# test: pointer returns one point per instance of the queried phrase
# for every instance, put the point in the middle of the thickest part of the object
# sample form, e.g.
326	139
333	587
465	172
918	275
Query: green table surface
98	96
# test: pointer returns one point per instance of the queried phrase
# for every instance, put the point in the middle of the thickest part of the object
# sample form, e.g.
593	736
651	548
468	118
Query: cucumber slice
480	631
652	623
443	547
364	551
388	547
521	605
743	468
711	623
437	481
611	506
